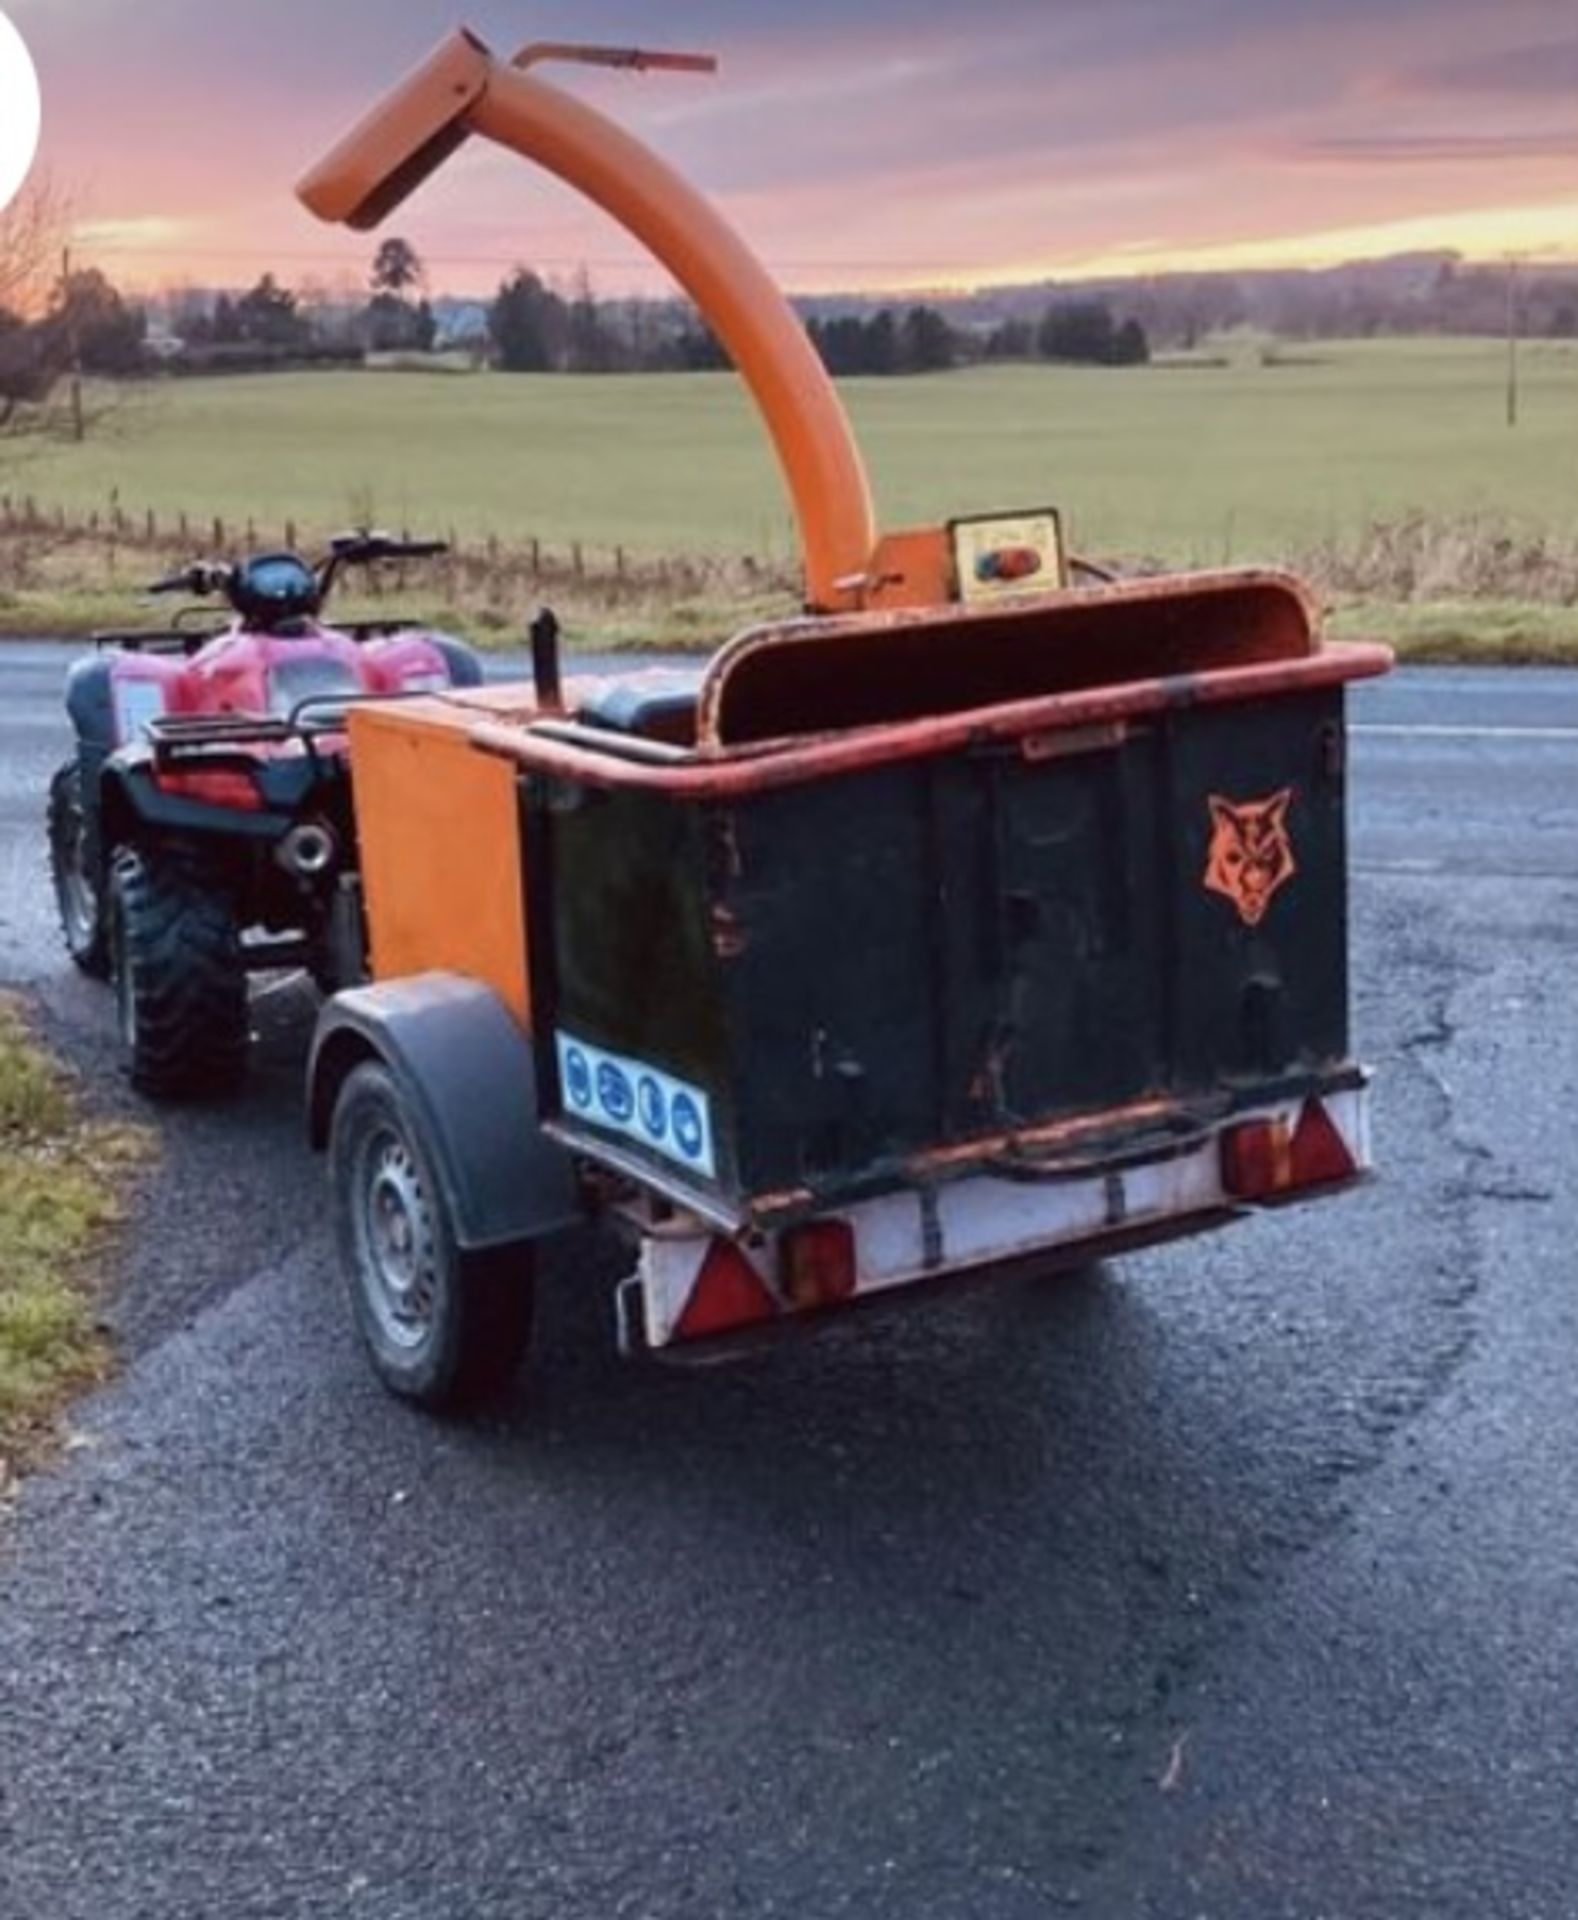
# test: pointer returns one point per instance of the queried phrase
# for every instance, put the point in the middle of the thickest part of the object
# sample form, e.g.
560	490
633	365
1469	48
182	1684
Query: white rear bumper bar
914	1236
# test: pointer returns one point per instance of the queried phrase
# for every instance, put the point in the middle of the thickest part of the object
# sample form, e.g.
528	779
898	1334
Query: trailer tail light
1263	1158
211	787
818	1264
728	1293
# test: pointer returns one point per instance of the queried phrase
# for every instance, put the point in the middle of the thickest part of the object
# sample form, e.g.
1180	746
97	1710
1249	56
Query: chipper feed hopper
972	919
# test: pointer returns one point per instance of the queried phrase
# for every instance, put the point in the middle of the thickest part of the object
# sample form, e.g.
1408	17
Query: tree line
55	318
531	328
397	317
923	340
1403	295
1079	332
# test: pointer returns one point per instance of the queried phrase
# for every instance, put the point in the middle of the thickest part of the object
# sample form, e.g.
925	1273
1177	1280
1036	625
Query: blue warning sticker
638	1101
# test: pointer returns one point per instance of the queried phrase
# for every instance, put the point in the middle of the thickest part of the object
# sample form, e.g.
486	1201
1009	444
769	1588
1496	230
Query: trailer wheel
180	984
446	1327
79	898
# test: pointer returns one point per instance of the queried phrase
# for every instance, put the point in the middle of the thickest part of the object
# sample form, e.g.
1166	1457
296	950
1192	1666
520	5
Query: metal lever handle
632	59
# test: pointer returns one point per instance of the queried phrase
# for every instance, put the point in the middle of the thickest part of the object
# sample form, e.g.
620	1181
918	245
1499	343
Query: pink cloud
892	143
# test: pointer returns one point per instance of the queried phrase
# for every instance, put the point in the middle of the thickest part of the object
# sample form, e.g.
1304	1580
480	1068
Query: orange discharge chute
464	90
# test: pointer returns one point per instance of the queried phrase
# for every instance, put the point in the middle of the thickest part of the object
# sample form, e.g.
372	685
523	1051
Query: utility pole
1512	339
79	431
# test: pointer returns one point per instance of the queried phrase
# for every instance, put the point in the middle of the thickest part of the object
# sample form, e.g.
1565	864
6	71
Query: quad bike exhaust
309	851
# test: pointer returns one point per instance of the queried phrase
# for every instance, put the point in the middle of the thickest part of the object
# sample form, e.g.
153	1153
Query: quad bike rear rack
183	736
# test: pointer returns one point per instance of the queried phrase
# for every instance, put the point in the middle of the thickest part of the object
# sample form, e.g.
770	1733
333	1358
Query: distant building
163	346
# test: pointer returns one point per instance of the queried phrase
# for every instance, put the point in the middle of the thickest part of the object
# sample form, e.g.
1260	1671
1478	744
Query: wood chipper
976	918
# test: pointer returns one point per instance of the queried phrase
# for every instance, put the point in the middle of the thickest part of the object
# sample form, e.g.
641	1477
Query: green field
1182	464
1187	463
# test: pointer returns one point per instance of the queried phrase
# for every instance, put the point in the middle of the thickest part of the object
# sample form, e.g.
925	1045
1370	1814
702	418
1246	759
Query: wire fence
474	571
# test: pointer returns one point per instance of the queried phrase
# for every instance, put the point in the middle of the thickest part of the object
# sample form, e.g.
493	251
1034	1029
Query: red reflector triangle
1319	1151
728	1293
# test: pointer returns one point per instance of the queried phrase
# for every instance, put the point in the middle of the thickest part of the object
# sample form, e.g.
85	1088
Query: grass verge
59	1181
1449	592
1440	632
1483	633
593	622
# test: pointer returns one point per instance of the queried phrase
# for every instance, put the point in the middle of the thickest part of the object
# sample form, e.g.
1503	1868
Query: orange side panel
439	828
913	568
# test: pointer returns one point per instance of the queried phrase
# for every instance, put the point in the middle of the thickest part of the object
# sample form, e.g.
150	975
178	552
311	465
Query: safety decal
998	555
638	1101
1251	852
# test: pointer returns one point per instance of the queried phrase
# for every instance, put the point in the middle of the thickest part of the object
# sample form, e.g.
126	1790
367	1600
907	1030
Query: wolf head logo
1251	854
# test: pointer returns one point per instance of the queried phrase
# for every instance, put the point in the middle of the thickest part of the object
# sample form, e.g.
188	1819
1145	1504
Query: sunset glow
911	145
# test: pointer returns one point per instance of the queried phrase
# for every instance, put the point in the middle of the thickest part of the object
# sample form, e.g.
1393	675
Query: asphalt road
1241	1580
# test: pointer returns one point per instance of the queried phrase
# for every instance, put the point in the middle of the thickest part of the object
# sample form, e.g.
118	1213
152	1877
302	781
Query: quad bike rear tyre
180	981
79	893
445	1326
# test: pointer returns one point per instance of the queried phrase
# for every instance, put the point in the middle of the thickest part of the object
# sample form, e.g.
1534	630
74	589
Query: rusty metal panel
930	960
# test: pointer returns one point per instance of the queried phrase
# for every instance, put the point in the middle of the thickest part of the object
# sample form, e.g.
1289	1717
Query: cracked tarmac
1235	1581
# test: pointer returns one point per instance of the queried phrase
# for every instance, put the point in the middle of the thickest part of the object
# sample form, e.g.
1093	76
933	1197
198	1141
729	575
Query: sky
881	144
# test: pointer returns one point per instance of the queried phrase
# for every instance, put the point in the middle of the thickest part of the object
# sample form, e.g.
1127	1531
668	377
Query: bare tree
33	230
35	339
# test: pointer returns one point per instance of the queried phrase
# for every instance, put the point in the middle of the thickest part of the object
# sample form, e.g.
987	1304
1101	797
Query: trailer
983	916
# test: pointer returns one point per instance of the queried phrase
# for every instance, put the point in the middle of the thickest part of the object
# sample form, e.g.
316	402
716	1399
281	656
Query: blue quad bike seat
657	705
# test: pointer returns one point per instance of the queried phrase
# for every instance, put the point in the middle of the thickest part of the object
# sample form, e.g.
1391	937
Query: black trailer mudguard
466	1067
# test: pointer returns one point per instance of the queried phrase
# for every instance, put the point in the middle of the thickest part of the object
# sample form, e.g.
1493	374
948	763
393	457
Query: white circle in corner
20	112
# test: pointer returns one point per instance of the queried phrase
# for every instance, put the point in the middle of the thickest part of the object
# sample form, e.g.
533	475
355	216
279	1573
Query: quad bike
203	829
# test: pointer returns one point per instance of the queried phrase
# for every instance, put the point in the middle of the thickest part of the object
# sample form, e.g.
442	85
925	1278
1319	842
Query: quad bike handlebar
203	577
365	547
